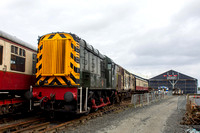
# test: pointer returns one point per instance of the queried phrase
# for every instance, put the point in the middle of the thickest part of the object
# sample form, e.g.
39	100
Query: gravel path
158	117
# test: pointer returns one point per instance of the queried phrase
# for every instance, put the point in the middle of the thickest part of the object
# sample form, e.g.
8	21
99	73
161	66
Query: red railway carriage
141	84
17	66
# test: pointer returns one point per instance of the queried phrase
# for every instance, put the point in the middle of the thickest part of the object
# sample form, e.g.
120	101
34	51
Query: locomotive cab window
109	66
1	54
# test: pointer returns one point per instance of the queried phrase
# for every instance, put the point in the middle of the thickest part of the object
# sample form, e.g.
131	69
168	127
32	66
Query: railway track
25	125
5	120
83	119
42	125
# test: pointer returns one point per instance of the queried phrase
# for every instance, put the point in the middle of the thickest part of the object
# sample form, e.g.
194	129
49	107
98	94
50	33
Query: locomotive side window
109	66
1	54
17	63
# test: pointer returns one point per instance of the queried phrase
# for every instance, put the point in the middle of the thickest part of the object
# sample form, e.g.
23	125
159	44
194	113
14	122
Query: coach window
1	54
23	53
17	63
20	51
12	49
34	63
16	50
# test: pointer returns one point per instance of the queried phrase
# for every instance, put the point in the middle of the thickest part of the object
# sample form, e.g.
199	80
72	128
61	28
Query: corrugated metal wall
184	82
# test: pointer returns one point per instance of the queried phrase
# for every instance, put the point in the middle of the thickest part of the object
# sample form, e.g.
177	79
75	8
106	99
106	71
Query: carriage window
12	49
34	57
24	53
34	63
16	50
20	51
17	63
1	54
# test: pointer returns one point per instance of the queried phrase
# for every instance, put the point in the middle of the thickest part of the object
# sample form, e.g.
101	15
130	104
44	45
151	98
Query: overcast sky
147	37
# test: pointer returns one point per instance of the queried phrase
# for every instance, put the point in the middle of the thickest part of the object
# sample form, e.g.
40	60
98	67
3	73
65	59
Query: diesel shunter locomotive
72	76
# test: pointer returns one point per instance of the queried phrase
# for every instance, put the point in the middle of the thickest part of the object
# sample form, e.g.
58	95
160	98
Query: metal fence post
148	98
142	99
135	100
132	98
153	97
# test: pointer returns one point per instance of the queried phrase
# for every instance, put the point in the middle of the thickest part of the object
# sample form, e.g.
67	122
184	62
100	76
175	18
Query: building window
1	54
17	63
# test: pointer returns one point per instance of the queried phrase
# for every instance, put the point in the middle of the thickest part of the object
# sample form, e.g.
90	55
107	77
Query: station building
174	80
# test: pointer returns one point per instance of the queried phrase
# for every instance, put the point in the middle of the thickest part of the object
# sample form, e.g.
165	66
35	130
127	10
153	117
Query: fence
139	100
193	102
181	104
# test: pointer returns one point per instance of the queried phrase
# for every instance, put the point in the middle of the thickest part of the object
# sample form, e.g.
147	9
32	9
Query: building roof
16	40
172	72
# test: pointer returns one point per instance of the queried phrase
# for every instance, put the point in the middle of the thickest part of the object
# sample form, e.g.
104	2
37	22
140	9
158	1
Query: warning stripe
74	79
51	36
55	81
40	66
61	81
38	78
50	80
40	57
74	76
41	47
65	80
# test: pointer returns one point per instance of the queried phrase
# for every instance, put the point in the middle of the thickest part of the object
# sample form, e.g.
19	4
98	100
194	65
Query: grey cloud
122	30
